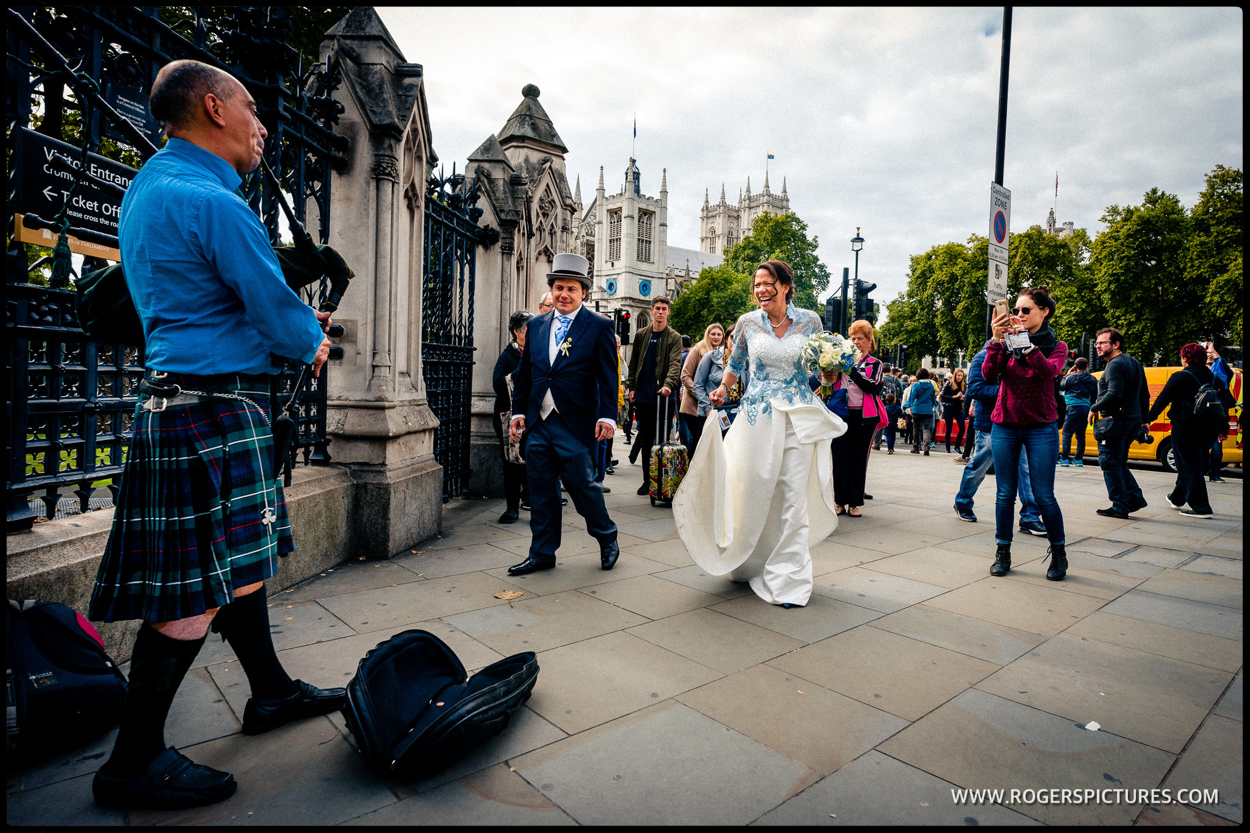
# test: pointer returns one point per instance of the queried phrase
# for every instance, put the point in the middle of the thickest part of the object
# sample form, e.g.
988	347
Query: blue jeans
974	472
1074	424
1041	447
1126	496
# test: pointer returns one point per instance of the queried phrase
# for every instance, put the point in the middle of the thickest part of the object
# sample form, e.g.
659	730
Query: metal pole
1000	149
856	283
1002	97
845	273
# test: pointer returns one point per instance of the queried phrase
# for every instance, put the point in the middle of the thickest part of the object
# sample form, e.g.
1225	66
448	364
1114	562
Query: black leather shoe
1137	506
528	566
644	489
1002	561
608	553
867	497
1111	513
1058	556
172	782
308	701
509	516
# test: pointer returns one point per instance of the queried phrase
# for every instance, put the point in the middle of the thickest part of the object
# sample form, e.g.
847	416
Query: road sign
132	105
1000	237
45	171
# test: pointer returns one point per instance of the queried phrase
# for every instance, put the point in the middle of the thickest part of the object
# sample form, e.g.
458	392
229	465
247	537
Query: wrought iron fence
69	400
448	282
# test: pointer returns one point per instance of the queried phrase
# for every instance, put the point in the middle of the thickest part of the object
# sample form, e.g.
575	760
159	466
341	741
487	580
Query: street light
857	243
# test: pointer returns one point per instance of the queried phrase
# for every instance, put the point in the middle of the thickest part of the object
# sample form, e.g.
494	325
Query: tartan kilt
177	549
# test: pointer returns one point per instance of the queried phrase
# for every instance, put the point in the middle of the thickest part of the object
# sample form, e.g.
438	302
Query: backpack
413	709
1209	403
61	686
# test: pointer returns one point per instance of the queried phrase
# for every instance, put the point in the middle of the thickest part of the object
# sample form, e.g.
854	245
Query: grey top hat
570	266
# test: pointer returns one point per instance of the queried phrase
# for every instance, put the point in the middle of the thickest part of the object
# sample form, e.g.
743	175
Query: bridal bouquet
829	351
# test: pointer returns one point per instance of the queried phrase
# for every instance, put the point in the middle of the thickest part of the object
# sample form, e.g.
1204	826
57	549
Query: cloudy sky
879	118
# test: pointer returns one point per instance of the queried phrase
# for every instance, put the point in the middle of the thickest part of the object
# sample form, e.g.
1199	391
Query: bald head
179	90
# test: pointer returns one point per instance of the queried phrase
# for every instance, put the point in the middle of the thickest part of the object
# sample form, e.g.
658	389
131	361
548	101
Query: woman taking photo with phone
1025	358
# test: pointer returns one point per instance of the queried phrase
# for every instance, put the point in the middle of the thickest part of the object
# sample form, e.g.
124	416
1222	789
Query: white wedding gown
751	502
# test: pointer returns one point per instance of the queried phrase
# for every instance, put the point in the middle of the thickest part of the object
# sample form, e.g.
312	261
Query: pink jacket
872	369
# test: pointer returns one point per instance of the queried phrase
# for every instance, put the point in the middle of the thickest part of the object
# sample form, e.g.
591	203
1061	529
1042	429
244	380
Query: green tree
1062	264
719	294
308	24
1214	253
1138	263
783	237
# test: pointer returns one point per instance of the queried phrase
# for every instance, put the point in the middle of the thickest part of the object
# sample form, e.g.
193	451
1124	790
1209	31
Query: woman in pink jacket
850	451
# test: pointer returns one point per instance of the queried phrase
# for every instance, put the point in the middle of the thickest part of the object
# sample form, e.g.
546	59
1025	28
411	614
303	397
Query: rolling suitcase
669	460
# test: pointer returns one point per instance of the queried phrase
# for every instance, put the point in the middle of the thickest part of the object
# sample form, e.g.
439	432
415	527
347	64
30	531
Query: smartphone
1001	308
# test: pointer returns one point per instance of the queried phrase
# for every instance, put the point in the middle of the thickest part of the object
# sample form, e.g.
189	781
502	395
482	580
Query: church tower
724	224
630	243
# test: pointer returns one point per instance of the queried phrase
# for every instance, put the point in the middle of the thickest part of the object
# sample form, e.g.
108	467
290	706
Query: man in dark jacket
654	373
1079	389
985	394
1124	397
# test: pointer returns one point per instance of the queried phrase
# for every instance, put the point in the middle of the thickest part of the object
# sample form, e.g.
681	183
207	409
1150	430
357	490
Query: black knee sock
157	668
245	625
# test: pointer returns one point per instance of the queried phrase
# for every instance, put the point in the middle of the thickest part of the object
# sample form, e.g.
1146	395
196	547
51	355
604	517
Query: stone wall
57	561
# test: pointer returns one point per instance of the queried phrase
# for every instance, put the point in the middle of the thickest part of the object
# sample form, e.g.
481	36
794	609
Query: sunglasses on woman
1022	310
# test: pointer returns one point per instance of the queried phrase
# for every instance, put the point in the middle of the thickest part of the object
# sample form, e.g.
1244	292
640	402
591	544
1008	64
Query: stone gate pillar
378	415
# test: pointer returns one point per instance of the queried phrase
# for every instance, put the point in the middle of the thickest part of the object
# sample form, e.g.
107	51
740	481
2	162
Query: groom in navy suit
565	393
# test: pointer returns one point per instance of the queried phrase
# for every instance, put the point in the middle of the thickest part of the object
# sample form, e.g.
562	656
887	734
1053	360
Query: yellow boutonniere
564	348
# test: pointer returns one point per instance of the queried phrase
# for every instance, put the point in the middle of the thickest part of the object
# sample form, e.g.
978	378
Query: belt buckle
152	407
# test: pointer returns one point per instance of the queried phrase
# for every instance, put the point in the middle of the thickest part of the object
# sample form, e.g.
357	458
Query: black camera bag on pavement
61	686
413	709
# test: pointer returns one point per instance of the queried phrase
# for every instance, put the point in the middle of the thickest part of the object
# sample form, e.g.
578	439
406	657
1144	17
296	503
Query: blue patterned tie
562	328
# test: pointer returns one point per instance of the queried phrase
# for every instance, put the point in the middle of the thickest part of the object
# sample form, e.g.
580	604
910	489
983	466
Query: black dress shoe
644	489
307	701
172	782
1137	506
528	566
608	553
509	516
867	497
1112	513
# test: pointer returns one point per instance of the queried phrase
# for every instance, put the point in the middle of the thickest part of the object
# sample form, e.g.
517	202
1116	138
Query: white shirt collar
555	313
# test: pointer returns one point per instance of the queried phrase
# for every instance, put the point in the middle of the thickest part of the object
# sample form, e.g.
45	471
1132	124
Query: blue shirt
205	281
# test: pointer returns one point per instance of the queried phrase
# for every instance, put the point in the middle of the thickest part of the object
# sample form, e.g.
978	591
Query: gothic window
730	239
645	221
711	246
614	236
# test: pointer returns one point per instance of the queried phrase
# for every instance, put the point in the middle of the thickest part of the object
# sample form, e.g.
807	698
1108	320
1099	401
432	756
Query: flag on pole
1056	183
770	156
636	134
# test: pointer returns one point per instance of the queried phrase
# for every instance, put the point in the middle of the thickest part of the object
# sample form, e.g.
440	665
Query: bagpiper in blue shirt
202	272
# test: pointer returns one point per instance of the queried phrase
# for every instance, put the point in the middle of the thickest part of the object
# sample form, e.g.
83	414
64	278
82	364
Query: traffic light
864	307
833	315
622	325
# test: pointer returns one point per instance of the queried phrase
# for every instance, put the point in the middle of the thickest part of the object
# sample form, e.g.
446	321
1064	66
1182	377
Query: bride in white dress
752	501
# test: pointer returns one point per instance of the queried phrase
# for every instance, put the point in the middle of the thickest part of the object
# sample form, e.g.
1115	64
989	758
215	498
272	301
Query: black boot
1058	562
1002	560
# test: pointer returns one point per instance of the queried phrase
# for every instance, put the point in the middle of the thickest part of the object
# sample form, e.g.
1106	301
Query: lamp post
857	243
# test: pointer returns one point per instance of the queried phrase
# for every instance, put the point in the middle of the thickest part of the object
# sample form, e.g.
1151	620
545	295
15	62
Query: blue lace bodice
776	367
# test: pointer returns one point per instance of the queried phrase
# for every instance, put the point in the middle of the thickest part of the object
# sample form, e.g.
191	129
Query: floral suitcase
669	460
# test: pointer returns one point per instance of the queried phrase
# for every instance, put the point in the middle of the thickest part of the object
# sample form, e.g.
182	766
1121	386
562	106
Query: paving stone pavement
669	696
